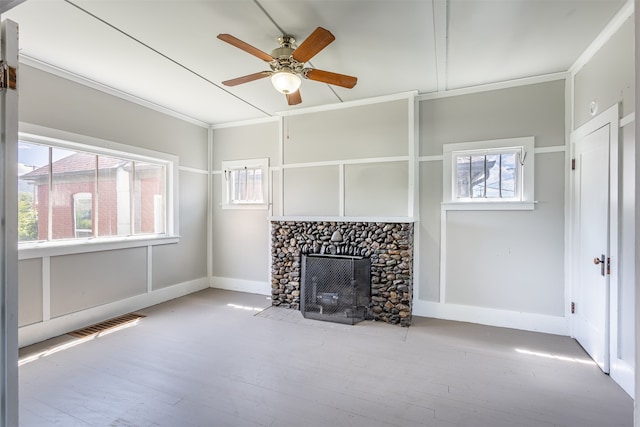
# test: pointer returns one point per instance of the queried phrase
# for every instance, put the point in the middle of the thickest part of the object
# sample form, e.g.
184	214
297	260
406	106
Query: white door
591	254
603	319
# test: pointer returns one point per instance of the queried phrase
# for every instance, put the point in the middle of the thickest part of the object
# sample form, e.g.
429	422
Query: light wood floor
215	359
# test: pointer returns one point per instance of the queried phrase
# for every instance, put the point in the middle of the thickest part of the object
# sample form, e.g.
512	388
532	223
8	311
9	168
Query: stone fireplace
389	247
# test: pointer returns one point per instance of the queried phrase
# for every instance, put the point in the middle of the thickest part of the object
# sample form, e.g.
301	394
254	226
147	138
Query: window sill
488	206
247	206
70	247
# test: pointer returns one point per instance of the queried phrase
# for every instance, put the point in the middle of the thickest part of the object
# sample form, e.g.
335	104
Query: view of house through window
72	194
495	174
245	184
487	176
148	183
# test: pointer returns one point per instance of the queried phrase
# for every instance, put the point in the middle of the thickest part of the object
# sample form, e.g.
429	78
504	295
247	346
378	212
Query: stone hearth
388	245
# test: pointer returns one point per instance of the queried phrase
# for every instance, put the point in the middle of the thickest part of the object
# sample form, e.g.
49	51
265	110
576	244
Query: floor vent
107	325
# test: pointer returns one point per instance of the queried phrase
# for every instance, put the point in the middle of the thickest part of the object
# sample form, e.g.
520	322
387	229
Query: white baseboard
241	285
492	317
37	332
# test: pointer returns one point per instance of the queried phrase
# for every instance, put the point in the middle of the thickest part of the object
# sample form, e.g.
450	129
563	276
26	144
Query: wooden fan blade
294	98
247	79
234	41
313	44
331	78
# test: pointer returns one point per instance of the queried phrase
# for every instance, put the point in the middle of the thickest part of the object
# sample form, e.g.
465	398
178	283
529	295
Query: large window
245	184
495	174
74	192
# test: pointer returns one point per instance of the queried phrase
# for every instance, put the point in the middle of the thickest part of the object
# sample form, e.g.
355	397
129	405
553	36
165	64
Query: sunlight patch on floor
555	356
73	343
244	307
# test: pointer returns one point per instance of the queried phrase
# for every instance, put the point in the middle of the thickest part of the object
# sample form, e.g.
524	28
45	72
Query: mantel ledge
384	219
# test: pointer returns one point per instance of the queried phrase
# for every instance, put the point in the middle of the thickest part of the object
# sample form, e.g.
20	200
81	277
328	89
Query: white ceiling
166	52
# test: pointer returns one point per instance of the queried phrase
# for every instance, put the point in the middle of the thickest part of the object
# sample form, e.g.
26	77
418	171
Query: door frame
9	408
611	117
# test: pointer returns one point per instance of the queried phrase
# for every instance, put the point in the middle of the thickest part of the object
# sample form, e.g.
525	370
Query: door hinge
573	307
573	164
8	76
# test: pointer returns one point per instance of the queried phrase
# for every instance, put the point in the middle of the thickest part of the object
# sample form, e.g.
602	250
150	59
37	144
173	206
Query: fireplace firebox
335	288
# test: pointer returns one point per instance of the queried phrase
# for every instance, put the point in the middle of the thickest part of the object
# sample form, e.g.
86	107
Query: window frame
35	134
524	200
235	165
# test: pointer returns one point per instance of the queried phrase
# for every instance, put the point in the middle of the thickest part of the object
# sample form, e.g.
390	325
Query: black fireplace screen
335	288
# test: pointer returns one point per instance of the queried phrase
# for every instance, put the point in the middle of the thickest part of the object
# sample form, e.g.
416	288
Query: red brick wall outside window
104	204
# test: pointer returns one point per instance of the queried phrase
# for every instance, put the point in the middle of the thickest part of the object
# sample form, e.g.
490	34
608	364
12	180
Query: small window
245	184
496	174
488	175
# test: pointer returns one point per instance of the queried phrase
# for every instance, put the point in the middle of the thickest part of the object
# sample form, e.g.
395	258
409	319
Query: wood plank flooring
217	358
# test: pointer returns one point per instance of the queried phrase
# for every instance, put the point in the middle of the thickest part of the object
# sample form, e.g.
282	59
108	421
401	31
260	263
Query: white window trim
48	136
227	165
81	197
526	201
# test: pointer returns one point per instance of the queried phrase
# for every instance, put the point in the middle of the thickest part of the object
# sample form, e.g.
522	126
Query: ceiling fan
287	64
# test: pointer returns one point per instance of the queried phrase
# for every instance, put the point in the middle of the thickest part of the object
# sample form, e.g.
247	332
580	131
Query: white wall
349	161
61	292
376	130
608	78
497	267
335	162
240	238
356	161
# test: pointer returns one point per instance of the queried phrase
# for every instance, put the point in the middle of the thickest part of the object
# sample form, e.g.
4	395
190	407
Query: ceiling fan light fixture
285	81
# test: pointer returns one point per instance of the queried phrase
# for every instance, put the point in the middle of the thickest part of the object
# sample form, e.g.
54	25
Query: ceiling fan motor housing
283	56
282	52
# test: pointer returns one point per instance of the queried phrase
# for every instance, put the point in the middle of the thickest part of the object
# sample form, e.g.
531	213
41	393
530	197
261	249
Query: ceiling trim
495	86
51	69
246	122
609	30
327	107
348	104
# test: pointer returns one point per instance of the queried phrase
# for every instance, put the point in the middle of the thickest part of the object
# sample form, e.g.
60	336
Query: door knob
600	261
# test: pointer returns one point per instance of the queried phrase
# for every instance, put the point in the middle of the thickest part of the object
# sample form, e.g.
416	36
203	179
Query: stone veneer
389	246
